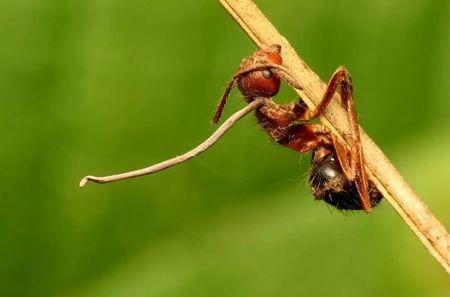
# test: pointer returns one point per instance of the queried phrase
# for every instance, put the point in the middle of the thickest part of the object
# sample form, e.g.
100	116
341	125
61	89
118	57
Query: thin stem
186	156
388	180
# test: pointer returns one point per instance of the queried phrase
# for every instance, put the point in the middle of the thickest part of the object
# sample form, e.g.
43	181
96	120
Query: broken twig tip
85	180
184	157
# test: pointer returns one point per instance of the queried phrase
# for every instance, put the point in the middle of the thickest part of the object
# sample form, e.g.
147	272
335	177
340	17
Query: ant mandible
337	174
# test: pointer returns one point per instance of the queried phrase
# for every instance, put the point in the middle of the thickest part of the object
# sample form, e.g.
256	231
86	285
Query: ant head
255	77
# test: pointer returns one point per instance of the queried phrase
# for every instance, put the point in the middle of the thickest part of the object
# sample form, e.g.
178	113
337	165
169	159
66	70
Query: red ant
337	174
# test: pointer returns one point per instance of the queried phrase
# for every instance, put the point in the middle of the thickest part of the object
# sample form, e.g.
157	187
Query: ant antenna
223	101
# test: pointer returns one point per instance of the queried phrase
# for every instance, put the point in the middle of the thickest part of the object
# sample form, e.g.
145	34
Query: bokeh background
101	86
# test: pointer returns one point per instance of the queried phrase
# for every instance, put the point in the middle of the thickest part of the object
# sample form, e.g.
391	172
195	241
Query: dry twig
400	195
186	156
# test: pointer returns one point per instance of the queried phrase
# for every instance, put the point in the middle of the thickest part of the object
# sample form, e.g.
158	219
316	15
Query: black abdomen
328	183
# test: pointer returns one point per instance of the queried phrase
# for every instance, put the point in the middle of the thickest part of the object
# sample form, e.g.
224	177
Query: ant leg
287	77
351	162
344	158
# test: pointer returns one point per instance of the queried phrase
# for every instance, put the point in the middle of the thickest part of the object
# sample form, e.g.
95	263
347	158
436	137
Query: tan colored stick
186	156
400	195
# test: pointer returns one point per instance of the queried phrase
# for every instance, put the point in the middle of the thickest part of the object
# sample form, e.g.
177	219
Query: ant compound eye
267	74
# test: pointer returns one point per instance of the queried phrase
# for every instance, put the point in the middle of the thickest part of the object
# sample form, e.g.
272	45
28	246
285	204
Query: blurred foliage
105	86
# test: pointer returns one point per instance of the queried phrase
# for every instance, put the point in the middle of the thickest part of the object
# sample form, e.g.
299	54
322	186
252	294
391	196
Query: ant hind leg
351	161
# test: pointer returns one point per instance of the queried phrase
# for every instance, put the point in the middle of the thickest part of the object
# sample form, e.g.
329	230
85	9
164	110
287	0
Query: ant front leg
352	162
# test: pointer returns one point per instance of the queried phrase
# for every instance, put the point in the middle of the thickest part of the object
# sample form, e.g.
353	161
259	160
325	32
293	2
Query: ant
337	174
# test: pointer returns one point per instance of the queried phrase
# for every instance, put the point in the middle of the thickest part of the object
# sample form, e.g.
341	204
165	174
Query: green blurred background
99	87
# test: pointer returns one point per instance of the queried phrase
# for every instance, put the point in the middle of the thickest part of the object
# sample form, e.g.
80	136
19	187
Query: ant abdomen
329	183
